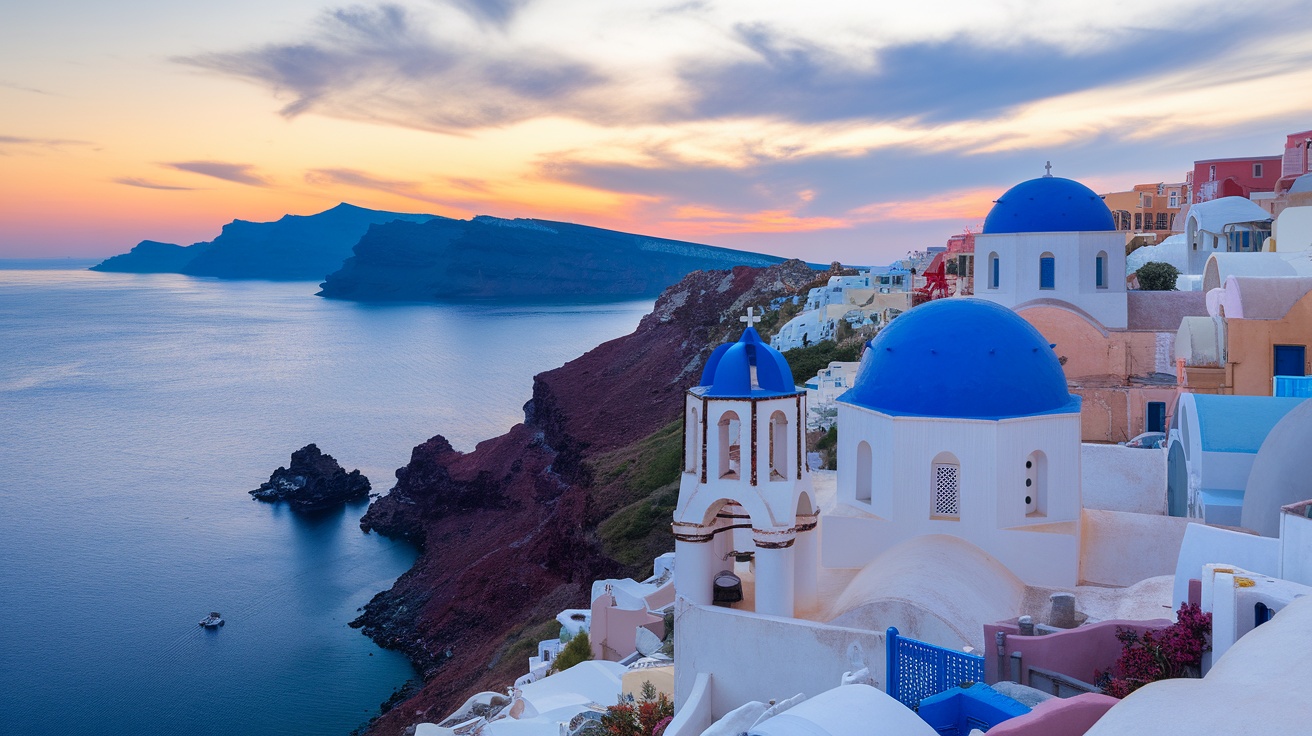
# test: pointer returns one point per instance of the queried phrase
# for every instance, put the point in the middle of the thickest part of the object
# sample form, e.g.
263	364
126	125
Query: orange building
1147	208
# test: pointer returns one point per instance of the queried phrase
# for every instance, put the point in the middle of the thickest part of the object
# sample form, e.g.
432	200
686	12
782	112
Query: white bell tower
745	485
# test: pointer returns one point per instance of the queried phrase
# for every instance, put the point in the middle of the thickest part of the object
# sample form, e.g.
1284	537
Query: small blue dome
1049	204
747	368
961	358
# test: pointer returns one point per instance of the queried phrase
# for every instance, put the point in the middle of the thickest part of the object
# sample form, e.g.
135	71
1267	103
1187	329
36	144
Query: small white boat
212	621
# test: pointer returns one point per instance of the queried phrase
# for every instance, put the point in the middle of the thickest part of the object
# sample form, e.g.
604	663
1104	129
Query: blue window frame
1047	272
993	272
1100	271
1290	360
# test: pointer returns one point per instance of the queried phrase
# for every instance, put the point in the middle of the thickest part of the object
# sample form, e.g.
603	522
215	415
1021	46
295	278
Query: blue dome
747	368
1049	204
961	358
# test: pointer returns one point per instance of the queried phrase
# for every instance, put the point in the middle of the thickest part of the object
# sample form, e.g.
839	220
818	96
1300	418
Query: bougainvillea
1176	651
647	716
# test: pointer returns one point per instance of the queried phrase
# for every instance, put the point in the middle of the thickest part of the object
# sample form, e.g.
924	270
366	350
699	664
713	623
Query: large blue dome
961	358
1049	204
747	368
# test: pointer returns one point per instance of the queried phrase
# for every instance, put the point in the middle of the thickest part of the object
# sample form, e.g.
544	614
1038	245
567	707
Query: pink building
1233	177
1296	161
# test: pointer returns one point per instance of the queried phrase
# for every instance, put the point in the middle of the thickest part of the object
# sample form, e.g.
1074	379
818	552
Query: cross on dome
751	319
1047	167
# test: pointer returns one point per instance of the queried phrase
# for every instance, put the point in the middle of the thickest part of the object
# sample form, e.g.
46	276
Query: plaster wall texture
752	657
1221	266
1100	366
844	710
936	588
1234	607
1251	345
1079	653
1039	546
693	713
1279	475
1075	279
1121	549
1292	230
1204	545
1116	478
1296	548
1253	690
1200	341
1257	297
1058	717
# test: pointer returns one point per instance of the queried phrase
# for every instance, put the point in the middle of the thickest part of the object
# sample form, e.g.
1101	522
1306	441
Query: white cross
751	319
1047	166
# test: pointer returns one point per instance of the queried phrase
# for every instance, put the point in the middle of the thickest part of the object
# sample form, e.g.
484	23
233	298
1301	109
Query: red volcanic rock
507	532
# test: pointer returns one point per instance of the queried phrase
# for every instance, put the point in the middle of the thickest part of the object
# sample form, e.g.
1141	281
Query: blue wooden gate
917	670
1289	360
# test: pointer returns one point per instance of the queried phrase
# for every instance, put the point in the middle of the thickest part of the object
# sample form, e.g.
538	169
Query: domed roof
1279	475
747	368
961	358
1048	204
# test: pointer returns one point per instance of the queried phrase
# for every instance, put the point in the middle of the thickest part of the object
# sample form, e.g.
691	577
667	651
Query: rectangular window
1147	200
1257	171
1047	272
947	490
1138	221
993	275
1163	222
1156	419
1174	200
1211	172
1099	266
1290	360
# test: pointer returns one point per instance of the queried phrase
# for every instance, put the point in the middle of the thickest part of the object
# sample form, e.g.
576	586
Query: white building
866	299
823	390
1225	225
1053	241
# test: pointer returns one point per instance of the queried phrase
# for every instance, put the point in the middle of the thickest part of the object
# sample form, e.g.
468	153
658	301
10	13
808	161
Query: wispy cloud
237	173
493	12
24	88
383	65
363	180
14	142
133	181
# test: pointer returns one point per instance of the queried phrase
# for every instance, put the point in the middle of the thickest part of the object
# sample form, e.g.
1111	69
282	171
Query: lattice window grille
947	490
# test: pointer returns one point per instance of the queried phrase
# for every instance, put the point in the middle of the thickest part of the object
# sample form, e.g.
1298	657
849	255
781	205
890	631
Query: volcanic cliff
515	531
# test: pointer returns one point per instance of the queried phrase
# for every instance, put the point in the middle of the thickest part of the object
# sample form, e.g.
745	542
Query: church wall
903	453
752	657
1075	279
1118	478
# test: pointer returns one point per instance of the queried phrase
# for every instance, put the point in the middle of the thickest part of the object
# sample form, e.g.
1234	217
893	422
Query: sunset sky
825	130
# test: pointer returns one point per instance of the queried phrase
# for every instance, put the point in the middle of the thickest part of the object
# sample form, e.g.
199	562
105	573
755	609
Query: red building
1234	177
1296	161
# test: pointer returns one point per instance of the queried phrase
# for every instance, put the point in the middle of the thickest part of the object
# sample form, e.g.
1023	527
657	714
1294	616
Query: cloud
382	65
492	12
363	180
133	181
237	173
24	88
28	144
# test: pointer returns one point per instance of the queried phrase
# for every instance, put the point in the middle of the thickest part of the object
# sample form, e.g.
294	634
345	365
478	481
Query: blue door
1047	272
1289	360
1156	416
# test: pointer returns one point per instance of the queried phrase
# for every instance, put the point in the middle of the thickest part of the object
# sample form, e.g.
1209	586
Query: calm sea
135	414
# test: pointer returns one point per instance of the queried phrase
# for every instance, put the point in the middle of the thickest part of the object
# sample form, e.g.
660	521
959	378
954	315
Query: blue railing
1295	386
917	670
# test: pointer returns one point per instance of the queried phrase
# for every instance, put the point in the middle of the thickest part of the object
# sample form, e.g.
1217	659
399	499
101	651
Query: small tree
648	716
1157	276
579	649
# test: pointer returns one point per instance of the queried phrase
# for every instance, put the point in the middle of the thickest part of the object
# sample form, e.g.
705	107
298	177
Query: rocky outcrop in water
313	482
515	531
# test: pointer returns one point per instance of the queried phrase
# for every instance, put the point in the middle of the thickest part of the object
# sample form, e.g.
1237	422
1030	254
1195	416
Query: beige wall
1252	342
1099	368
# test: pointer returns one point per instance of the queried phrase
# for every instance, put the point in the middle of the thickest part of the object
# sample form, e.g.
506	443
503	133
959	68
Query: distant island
489	258
371	255
293	248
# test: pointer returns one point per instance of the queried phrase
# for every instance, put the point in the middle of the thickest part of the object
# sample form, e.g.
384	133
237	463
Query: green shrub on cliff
808	361
579	649
1155	276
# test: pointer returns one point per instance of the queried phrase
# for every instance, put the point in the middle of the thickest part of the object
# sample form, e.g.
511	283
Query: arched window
995	268
729	451
691	447
945	487
1036	484
1047	271
778	446
1100	270
865	472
